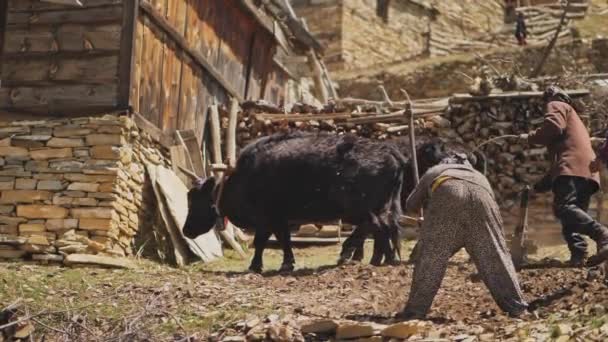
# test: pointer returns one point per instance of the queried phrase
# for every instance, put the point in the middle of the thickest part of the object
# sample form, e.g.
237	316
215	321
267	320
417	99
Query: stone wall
599	54
368	39
72	186
357	37
324	20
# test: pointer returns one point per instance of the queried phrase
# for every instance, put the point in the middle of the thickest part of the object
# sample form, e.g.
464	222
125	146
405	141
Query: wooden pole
231	133
216	137
518	251
216	141
409	111
180	139
547	52
317	76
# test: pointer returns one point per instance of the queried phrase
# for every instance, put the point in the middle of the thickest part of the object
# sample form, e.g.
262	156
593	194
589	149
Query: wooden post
181	141
547	52
409	111
317	76
216	137
231	133
412	132
127	56
518	251
216	142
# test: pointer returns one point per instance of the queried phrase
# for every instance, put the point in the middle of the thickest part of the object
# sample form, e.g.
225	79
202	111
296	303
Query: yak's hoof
376	262
345	261
392	262
256	269
286	268
358	256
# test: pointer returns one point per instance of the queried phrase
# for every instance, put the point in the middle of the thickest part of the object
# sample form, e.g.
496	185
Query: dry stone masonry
72	186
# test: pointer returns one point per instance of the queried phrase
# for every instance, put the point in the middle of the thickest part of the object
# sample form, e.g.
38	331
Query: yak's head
202	214
430	154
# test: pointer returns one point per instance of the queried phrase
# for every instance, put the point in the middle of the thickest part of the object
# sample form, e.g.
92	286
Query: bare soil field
220	300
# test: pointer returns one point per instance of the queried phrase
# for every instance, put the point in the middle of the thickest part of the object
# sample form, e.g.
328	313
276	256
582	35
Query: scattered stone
24	331
99	260
329	231
354	330
404	329
564	329
325	326
47	257
308	230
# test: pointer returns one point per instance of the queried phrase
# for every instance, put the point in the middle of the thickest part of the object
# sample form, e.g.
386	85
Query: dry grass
595	23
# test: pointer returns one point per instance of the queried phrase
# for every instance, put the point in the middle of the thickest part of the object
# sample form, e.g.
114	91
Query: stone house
362	33
94	92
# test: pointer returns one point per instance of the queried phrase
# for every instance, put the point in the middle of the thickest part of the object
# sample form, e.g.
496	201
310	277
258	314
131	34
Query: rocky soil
220	301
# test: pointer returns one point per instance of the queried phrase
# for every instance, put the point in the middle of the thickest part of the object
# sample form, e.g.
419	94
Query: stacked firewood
510	164
377	120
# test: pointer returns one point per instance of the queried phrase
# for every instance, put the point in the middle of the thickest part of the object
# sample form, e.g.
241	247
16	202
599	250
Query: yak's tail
396	210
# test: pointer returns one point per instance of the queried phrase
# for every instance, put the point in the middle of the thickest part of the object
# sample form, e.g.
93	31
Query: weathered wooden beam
3	18
155	133
231	133
541	63
302	117
460	98
45	55
317	72
216	137
181	43
127	57
98	15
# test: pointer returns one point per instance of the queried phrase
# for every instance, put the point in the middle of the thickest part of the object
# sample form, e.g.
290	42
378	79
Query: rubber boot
577	260
600	236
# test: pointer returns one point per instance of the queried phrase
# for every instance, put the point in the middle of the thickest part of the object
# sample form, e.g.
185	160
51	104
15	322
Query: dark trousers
570	205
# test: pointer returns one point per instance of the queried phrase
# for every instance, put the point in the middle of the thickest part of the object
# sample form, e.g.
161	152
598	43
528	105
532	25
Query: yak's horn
189	173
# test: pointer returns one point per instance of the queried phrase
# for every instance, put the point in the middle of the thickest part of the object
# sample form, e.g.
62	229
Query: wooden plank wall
61	59
170	88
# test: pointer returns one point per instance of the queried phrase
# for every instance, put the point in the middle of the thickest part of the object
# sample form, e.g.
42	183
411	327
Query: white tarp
207	246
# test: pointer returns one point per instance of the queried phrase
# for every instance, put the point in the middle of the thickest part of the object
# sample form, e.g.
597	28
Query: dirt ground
206	302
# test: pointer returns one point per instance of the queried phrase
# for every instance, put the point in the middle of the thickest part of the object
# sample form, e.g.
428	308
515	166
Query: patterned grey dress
461	212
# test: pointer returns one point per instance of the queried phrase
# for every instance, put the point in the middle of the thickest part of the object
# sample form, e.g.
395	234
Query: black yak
297	178
429	151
